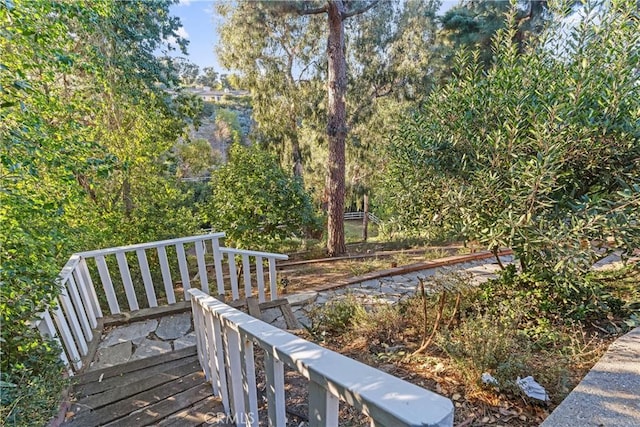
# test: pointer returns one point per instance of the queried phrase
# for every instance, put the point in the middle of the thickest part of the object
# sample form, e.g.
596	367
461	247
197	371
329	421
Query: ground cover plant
498	328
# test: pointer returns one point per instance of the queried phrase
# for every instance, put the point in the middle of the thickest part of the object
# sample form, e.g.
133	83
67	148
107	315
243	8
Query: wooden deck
165	390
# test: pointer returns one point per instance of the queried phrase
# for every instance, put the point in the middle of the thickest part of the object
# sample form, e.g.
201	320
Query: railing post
323	407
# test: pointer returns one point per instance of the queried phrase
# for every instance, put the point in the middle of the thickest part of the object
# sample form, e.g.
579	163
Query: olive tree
540	153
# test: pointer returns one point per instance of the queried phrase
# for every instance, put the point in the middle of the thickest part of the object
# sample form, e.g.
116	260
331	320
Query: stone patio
143	339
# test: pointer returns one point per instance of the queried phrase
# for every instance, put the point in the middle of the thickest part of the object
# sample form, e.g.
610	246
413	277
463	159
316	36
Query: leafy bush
336	316
540	153
257	203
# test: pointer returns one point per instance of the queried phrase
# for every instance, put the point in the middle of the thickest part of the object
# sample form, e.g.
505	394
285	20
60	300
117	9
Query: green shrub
257	203
336	316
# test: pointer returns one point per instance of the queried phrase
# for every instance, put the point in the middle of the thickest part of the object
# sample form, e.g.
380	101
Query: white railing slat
149	289
67	338
93	296
276	405
231	338
246	272
48	330
72	319
323	407
79	306
219	361
249	381
184	269
260	279
233	276
201	338
86	298
202	267
273	286
166	275
210	352
107	284
217	265
125	274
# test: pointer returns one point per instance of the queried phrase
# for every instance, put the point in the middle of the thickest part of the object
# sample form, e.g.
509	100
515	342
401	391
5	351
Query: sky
199	23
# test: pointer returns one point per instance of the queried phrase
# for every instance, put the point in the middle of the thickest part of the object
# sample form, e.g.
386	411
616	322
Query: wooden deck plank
180	399
206	412
95	387
119	370
123	391
140	401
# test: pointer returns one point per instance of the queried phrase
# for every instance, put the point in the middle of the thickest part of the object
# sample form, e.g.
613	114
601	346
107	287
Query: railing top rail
68	268
254	253
385	398
149	245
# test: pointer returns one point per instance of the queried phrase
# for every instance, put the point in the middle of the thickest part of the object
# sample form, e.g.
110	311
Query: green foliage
539	153
257	203
227	126
196	158
85	127
485	344
209	77
336	316
472	25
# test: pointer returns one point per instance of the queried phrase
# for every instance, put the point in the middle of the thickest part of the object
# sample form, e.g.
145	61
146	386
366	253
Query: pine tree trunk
336	129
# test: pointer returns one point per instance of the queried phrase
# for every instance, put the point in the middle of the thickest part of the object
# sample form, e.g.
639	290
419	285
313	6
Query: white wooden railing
144	274
360	215
226	339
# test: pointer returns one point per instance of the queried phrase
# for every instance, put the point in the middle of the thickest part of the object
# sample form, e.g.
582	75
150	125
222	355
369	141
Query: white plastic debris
488	379
532	389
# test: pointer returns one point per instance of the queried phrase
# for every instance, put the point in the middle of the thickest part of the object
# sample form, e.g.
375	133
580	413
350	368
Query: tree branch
316	11
358	11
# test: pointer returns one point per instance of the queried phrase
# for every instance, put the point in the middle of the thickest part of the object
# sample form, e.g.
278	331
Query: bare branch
358	11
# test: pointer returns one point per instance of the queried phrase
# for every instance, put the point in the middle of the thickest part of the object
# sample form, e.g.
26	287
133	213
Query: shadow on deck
165	390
